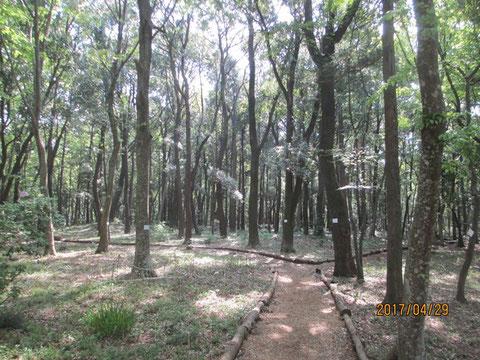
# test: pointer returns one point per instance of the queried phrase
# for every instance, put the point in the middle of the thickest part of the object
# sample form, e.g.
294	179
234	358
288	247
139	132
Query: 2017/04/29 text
435	309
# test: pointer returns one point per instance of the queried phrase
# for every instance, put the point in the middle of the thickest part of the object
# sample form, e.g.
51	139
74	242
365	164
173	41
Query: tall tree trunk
411	341
337	206
60	178
232	213
111	93
47	227
253	239
177	215
278	202
129	195
392	173
377	188
219	191
142	263
242	177
123	171
188	142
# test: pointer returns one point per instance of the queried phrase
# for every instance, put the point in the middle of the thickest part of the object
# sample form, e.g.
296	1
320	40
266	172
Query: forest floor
193	310
454	336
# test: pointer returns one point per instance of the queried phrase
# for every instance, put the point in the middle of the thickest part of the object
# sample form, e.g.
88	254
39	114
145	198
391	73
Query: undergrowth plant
10	319
161	232
110	320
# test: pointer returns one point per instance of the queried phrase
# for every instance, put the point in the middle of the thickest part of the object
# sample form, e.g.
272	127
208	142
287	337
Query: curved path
302	322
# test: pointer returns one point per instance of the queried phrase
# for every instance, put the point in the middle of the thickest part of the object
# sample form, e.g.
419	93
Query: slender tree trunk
469	254
177	215
60	178
232	221
129	195
375	196
111	93
320	206
306	198
142	263
392	172
278	202
104	224
188	143
123	172
219	192
46	228
411	342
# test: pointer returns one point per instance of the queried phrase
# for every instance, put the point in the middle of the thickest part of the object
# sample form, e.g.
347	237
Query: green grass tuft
110	320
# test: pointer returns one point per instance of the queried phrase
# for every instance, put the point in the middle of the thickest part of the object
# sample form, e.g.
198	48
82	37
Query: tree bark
219	192
469	254
142	263
337	206
36	115
392	173
188	143
177	214
411	341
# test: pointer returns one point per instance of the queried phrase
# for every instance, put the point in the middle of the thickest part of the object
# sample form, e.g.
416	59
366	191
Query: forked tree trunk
337	206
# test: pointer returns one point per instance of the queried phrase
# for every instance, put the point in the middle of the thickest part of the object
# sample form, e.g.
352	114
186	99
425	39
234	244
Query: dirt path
302	322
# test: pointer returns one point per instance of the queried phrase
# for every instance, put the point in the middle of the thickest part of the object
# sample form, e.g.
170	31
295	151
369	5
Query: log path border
346	314
246	327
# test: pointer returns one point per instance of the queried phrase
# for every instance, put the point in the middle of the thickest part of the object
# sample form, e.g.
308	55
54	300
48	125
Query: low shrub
9	272
161	232
11	320
110	320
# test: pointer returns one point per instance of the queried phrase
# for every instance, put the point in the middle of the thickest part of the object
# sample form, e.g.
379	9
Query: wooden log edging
346	314
247	325
294	260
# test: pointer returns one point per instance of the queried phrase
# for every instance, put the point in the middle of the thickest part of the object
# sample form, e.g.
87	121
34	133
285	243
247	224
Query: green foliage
11	320
21	223
161	232
21	227
433	119
8	274
110	320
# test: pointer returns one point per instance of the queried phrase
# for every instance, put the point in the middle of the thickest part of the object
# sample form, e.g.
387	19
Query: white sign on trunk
470	232
335	220
146	227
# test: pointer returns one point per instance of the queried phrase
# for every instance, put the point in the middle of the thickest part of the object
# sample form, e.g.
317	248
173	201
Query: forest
251	179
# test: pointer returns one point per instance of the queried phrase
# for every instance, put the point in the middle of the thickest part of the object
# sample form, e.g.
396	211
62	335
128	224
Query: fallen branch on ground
247	325
295	260
346	313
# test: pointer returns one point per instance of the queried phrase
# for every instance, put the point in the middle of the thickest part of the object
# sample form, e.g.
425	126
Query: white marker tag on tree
470	233
335	221
146	227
